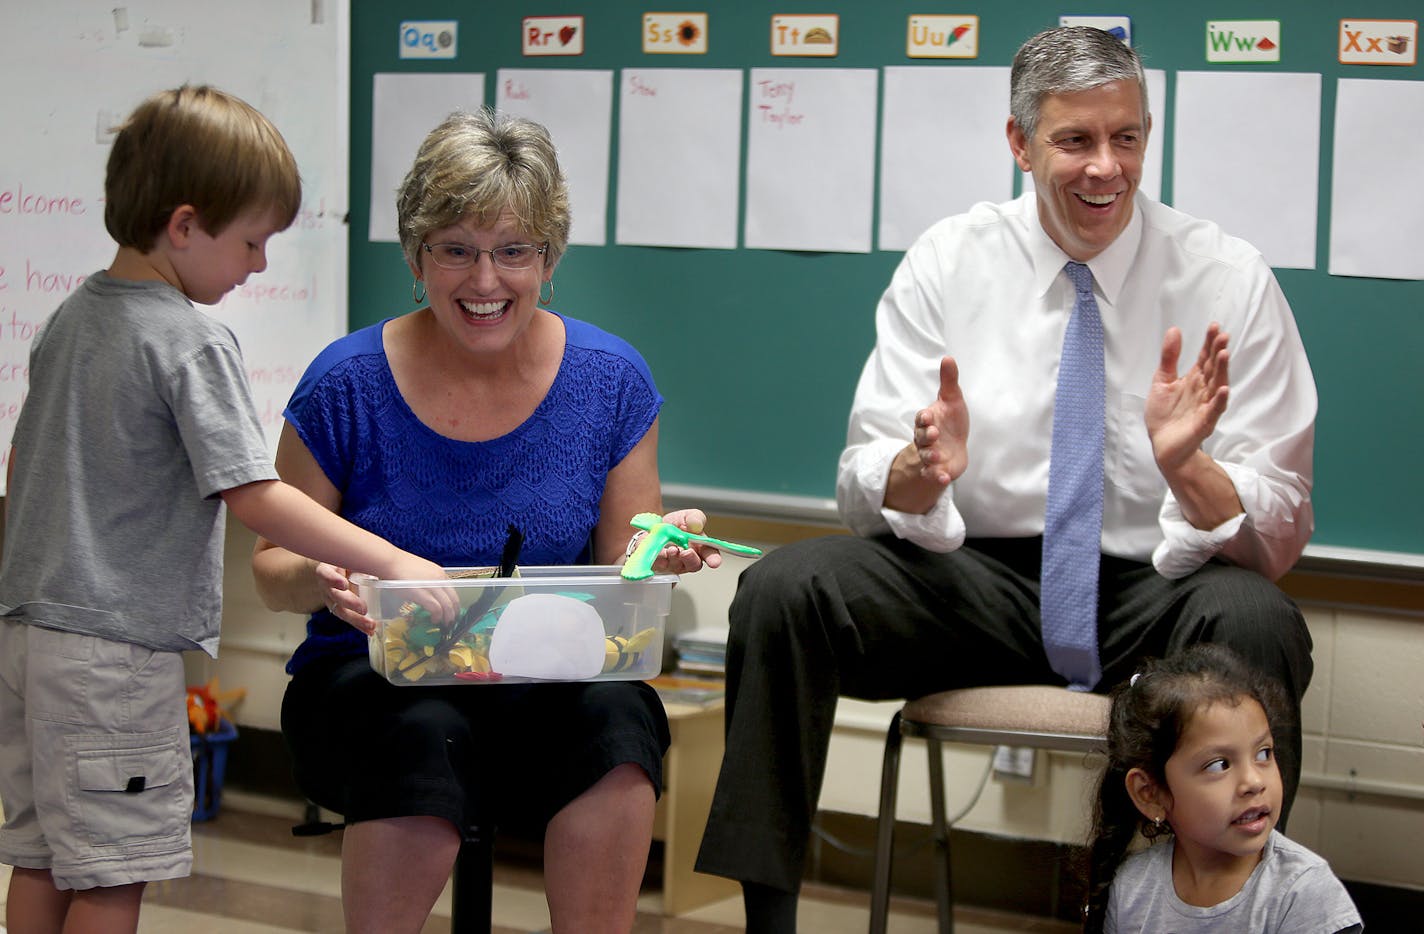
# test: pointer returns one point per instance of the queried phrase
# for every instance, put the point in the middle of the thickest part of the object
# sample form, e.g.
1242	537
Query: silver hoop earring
545	301
417	286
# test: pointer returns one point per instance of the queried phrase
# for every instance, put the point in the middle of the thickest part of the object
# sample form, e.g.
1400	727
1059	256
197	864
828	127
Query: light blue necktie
1073	519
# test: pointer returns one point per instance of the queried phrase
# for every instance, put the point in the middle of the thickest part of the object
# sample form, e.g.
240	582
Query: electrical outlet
1013	763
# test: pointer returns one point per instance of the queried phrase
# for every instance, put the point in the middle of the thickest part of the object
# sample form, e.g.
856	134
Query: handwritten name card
811	158
576	107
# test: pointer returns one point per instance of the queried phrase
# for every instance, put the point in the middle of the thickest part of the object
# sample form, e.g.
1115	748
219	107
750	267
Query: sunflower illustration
687	32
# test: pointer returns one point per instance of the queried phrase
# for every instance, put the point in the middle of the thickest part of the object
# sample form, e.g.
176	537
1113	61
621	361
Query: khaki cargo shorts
96	773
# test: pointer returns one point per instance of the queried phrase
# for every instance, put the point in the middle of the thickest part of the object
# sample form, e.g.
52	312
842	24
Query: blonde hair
198	146
478	165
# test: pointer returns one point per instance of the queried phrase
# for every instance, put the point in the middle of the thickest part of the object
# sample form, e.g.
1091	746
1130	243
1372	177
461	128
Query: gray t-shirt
138	415
1290	890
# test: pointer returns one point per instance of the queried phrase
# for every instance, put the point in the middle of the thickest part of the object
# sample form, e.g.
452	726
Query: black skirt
502	755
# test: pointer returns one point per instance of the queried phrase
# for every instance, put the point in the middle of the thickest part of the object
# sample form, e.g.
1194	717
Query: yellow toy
621	653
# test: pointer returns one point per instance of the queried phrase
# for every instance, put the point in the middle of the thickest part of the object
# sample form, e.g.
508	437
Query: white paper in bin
548	636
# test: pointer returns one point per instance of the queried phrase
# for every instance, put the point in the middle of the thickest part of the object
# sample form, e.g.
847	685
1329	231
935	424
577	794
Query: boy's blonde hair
198	146
478	165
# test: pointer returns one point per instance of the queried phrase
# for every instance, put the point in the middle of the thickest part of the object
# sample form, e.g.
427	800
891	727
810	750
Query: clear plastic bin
543	624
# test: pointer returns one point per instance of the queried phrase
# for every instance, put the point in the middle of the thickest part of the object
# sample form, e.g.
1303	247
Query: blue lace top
453	501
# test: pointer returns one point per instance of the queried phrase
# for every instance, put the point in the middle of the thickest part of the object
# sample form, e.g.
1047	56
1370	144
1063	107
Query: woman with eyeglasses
439	429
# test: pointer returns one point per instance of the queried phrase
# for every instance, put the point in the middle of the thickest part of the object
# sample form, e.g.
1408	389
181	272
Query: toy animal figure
205	705
621	653
639	565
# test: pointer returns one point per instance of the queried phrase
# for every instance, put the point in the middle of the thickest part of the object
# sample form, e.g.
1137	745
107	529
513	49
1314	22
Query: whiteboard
71	69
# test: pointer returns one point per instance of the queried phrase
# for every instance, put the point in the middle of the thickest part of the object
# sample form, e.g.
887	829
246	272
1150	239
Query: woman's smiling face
486	308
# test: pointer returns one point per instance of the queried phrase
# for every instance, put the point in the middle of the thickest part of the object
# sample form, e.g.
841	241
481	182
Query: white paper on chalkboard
404	109
1247	155
811	158
679	156
1377	217
576	107
69	70
942	146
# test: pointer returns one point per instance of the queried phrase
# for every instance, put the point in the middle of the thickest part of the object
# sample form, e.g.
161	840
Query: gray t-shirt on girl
1290	890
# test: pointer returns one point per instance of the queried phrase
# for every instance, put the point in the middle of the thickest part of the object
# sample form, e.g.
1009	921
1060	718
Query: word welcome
19	201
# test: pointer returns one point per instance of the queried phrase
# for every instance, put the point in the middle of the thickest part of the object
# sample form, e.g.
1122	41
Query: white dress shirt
988	288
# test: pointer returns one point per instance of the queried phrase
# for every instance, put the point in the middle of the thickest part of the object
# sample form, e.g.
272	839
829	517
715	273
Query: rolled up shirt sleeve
1267	536
860	494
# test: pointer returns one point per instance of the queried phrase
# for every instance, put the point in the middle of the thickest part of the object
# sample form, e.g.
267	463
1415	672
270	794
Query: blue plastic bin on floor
209	763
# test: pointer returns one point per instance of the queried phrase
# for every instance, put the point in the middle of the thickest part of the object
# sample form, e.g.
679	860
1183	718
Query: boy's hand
344	600
442	602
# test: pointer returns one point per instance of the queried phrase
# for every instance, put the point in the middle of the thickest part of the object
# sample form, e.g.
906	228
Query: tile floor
251	876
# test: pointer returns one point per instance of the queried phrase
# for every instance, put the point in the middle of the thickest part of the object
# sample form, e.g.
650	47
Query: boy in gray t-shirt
138	427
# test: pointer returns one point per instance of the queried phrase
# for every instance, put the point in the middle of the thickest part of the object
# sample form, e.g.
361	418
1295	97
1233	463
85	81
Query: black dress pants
881	618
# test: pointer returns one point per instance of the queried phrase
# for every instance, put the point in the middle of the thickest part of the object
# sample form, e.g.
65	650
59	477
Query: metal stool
1037	716
472	888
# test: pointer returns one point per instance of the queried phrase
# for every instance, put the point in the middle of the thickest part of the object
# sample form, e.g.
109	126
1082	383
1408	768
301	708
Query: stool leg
885	829
472	894
944	883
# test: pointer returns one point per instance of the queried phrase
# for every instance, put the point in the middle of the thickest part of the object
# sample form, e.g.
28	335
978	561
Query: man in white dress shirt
1206	470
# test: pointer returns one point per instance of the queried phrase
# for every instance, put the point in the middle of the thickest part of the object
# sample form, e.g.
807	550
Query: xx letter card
1378	41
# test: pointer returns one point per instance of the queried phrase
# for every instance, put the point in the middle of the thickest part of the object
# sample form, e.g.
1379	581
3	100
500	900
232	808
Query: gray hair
1066	59
478	165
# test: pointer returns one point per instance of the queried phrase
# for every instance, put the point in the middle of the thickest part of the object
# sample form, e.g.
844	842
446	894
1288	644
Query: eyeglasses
462	256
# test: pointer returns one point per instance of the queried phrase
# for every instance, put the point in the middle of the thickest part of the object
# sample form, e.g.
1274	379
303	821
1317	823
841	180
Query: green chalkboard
794	328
